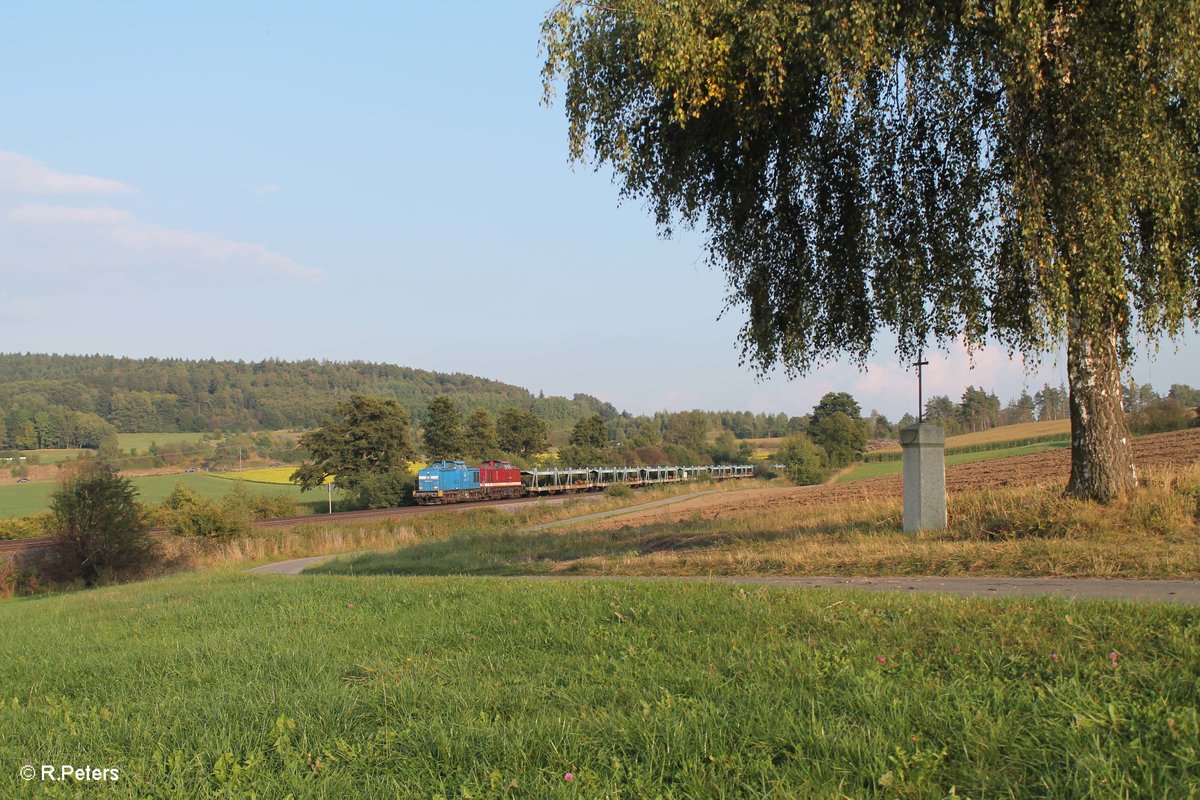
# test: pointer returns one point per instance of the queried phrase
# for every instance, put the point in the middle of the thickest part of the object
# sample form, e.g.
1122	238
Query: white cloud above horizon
20	174
116	241
75	244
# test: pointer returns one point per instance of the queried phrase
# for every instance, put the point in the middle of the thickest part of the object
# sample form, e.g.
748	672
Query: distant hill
152	395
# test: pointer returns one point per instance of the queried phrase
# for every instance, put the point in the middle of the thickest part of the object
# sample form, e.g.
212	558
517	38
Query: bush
188	514
803	461
385	490
618	490
31	527
1164	415
101	529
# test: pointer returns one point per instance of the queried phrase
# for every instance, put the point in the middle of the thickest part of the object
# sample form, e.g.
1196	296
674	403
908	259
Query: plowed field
1179	448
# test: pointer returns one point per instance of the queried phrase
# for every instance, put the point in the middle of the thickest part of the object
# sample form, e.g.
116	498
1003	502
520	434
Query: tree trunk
1101	456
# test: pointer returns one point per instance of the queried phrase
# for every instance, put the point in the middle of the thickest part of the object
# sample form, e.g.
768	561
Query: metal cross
920	395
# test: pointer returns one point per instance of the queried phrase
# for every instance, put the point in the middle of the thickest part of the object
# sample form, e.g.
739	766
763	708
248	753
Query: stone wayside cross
924	447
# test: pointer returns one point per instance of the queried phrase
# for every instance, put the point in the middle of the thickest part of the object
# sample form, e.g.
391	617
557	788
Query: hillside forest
65	401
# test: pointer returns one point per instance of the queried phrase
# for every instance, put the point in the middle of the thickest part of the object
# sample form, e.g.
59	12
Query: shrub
188	514
803	461
31	527
101	528
618	490
1164	415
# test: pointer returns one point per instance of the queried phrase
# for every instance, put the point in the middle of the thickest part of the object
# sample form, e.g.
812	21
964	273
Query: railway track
339	517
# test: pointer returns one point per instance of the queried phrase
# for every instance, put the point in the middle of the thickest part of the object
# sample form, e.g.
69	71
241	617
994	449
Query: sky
375	181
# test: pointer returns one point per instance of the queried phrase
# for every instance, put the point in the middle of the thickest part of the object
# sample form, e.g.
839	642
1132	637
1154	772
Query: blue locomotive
454	482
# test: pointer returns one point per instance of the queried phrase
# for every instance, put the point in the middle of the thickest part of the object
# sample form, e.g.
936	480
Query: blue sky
364	181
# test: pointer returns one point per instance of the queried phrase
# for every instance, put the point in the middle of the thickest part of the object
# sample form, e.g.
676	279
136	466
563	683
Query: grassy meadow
21	500
229	685
141	442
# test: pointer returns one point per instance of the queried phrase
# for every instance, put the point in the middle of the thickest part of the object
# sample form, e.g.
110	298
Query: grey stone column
924	448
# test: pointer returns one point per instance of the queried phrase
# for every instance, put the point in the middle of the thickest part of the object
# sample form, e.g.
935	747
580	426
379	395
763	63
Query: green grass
21	500
53	455
142	441
880	469
219	685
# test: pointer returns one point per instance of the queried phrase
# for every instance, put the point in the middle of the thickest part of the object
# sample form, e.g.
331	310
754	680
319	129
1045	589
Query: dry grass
1029	530
8	576
182	552
320	538
1022	531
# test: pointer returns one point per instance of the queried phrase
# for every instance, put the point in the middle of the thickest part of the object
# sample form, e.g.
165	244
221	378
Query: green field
21	500
224	685
880	469
142	441
51	455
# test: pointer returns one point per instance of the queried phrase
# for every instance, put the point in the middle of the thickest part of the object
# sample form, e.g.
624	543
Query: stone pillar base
924	448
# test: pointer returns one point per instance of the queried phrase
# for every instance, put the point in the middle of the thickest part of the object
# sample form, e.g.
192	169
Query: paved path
294	566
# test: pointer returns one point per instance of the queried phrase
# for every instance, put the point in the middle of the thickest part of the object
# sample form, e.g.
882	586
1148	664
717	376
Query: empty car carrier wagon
455	482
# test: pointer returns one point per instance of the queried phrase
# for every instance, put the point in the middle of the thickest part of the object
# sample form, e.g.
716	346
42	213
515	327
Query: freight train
456	482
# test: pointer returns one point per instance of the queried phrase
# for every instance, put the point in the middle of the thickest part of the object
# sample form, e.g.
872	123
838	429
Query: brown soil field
1176	449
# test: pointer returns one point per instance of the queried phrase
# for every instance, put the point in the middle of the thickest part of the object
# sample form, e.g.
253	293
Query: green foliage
590	432
100	529
188	514
842	438
1185	394
154	395
727	450
480	434
618	490
920	166
689	430
1023	171
521	433
367	445
444	435
1167	414
31	527
832	403
804	462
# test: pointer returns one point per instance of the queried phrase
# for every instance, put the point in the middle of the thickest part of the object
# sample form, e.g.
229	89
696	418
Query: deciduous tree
590	432
1027	170
444	435
480	434
366	444
521	433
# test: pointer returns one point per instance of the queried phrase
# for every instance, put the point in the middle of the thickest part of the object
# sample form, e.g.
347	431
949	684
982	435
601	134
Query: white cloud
70	240
23	175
